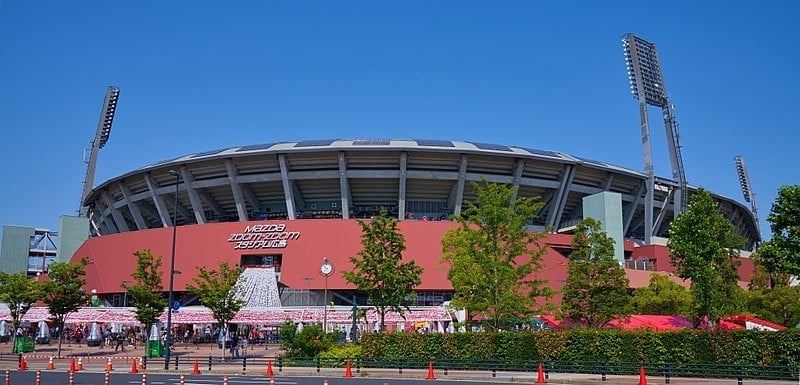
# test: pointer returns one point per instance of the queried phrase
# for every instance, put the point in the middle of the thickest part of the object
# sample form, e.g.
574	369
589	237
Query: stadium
280	209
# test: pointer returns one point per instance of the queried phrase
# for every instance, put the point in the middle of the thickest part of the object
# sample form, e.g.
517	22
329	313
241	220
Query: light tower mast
647	86
100	139
747	189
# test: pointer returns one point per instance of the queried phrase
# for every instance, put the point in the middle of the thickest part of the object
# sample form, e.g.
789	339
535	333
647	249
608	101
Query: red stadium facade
296	249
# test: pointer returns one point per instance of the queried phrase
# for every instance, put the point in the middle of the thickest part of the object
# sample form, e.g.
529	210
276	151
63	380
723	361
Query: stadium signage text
271	236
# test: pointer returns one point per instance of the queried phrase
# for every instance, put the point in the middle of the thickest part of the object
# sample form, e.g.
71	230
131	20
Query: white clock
326	269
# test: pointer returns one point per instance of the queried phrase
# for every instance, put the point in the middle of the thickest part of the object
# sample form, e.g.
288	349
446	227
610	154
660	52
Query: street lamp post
326	270
168	338
308	290
125	296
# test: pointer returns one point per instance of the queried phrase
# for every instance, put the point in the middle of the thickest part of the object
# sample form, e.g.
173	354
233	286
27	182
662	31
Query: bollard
244	365
209	361
604	370
666	373
144	378
144	362
8	377
107	379
494	368
280	364
176	362
358	365
225	380
317	364
182	380
71	378
445	365
739	374
38	377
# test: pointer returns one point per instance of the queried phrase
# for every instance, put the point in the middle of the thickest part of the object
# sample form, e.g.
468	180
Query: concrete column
287	187
163	214
194	198
133	207
119	220
401	209
344	186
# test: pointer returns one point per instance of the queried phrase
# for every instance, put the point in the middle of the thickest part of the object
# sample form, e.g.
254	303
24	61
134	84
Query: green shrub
747	347
309	342
338	354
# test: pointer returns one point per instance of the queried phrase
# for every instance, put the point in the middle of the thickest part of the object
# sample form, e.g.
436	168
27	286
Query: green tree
703	247
64	292
596	290
493	258
780	305
147	291
378	269
662	296
20	293
218	290
780	255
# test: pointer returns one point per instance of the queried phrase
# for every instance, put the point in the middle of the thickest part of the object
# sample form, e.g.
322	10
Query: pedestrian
120	339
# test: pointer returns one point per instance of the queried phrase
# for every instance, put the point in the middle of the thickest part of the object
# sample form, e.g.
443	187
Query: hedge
745	347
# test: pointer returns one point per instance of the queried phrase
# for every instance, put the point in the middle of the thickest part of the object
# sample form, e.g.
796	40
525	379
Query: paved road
376	378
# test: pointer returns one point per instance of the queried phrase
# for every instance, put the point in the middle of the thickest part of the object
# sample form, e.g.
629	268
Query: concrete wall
606	207
72	232
15	247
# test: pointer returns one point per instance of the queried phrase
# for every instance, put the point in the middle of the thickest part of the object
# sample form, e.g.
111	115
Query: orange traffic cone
196	369
80	364
72	366
109	367
540	377
141	364
430	371
269	368
50	364
134	369
642	377
348	372
23	365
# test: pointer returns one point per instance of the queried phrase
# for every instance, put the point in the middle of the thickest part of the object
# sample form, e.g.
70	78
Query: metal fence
601	368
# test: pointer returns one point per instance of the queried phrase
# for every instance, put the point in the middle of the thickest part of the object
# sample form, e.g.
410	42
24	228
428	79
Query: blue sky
201	75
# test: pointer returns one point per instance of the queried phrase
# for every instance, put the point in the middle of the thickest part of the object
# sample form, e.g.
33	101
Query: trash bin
155	348
23	344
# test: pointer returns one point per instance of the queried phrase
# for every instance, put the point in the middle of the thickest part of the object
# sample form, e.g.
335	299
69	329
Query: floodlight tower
647	86
747	189
100	139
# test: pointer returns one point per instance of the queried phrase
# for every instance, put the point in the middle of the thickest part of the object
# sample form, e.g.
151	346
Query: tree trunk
60	335
383	316
224	334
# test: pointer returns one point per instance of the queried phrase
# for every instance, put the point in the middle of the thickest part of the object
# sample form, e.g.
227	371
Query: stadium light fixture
172	271
747	188
647	86
101	136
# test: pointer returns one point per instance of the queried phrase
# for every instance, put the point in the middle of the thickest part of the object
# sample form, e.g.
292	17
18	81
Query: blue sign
176	305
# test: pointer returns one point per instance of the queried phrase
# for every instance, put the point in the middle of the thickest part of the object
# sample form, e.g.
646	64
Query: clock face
326	268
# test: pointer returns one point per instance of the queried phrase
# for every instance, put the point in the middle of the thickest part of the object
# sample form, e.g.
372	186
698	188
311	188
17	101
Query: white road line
242	380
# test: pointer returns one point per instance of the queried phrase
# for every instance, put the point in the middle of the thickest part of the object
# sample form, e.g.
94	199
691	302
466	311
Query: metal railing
493	366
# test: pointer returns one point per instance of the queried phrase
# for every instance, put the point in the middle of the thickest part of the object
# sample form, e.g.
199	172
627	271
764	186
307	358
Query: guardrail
602	368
